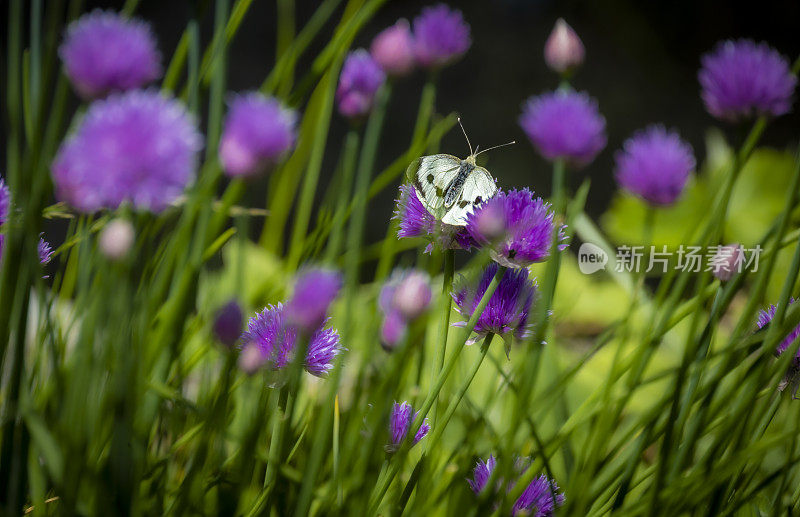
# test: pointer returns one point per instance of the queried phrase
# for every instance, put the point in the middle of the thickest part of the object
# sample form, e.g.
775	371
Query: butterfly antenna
496	146
465	136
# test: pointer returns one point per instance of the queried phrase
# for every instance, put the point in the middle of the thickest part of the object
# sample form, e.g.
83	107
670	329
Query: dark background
641	65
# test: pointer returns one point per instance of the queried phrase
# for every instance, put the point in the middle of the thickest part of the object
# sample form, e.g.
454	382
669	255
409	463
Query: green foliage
642	396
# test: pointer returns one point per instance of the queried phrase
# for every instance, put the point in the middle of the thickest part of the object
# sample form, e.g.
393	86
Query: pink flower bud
412	295
563	50
393	49
392	331
116	239
727	261
491	222
251	359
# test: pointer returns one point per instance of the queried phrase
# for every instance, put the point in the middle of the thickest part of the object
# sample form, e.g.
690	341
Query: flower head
400	421
393	49
441	36
563	51
228	323
276	342
45	252
727	261
415	221
359	82
314	291
139	147
765	317
537	498
526	223
258	131
5	201
506	313
742	78
564	125
116	239
481	473
105	52
655	164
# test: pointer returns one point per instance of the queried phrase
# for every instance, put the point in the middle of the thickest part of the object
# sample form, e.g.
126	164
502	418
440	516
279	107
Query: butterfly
450	188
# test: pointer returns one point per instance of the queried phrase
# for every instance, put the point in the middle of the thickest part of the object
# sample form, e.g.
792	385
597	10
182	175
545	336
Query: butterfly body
449	187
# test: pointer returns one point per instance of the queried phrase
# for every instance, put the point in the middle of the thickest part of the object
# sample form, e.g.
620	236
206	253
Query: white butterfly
450	188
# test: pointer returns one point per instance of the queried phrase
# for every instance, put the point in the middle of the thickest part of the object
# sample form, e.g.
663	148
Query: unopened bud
251	359
728	261
563	50
412	296
228	323
392	331
116	239
393	49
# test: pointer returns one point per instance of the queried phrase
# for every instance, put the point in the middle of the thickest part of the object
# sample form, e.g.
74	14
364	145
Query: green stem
345	192
383	485
446	302
311	178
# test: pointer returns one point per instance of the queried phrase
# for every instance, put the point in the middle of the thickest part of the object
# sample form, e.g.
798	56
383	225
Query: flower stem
383	485
446	306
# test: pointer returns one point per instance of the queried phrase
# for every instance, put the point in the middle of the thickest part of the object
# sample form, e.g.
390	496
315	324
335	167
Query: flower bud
412	295
563	50
228	323
393	330
491	222
314	291
727	261
116	239
359	82
251	359
393	49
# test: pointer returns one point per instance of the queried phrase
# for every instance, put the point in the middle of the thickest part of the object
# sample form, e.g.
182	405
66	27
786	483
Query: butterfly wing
478	187
431	175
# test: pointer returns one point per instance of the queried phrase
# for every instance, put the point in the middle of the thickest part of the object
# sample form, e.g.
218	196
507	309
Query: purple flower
228	323
5	201
314	291
527	228
105	52
393	330
537	498
415	221
563	51
655	164
393	49
45	252
765	317
322	350
742	78
564	125
258	131
506	314
138	147
44	249
441	36
400	421
359	82
276	342
481	474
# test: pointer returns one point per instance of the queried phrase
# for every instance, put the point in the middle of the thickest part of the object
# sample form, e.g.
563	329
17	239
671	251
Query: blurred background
641	66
